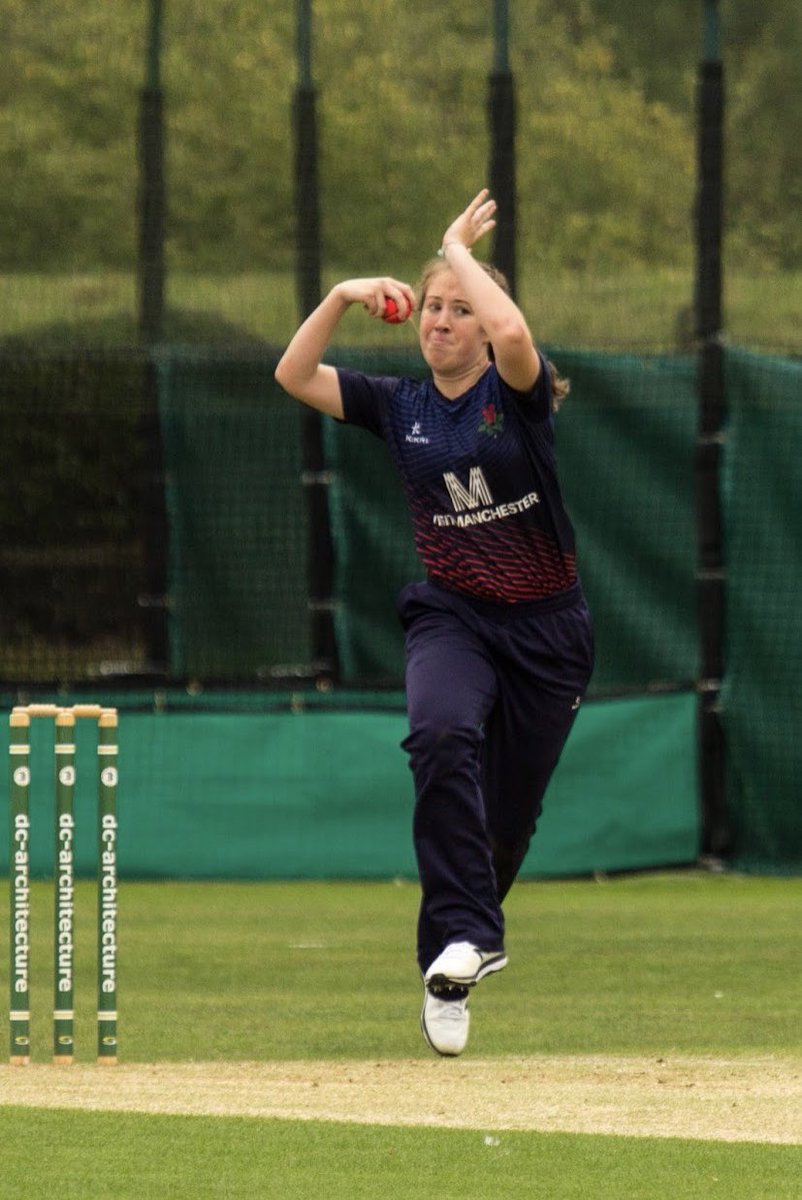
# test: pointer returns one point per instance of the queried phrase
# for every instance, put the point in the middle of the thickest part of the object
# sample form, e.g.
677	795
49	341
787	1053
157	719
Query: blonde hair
560	386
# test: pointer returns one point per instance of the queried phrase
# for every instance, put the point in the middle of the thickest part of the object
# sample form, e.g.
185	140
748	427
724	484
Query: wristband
441	253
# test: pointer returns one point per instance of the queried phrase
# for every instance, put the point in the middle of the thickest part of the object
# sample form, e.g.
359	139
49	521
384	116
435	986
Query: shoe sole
443	981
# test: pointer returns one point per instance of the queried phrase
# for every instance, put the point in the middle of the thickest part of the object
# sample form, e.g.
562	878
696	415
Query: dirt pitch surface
757	1099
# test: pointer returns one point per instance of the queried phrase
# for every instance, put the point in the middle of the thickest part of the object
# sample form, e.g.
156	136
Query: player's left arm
516	356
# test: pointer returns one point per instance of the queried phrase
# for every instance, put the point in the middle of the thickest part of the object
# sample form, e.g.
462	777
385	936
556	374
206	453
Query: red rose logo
492	420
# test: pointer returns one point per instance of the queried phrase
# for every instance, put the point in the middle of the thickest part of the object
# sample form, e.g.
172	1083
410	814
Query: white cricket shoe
463	965
445	1024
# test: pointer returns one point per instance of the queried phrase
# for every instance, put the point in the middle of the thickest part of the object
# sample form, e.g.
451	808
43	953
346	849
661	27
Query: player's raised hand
472	224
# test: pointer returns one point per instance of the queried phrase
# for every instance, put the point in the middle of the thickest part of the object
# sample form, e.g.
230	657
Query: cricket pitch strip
739	1099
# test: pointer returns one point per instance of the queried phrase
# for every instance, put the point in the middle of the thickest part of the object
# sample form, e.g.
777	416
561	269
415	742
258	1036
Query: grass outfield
655	1003
645	307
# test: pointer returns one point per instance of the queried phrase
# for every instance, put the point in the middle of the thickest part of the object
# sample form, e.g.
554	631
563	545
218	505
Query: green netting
625	444
626	450
238	523
761	705
238	586
73	548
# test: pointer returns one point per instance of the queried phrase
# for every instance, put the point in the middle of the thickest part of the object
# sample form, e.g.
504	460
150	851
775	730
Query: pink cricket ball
392	315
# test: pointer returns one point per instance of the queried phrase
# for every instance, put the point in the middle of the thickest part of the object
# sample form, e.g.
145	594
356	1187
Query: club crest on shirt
492	420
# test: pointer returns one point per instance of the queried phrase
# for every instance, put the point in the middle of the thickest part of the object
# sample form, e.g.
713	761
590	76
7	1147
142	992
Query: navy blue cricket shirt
480	479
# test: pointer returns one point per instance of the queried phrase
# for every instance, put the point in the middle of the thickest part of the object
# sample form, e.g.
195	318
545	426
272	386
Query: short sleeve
536	405
366	399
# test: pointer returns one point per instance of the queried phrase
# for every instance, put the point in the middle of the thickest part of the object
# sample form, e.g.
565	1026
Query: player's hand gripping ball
392	314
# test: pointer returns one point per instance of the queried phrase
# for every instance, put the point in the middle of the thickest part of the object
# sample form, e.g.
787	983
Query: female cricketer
499	641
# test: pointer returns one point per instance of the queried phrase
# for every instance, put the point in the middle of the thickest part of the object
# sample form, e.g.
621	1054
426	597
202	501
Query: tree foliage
606	146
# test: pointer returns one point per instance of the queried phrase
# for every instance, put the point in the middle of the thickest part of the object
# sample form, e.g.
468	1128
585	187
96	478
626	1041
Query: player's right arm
301	371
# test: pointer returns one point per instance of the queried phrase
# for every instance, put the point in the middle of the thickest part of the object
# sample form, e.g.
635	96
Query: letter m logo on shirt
475	494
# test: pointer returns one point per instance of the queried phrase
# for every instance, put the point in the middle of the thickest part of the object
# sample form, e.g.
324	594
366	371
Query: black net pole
151	212
308	286
711	574
502	173
501	112
155	531
307	201
152	203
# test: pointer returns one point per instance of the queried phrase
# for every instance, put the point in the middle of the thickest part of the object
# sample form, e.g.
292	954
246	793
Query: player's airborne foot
445	1023
463	965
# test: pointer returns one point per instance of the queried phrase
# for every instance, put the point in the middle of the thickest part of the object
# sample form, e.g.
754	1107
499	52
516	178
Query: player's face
451	338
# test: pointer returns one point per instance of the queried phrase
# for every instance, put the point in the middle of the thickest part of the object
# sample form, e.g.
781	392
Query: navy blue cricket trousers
492	693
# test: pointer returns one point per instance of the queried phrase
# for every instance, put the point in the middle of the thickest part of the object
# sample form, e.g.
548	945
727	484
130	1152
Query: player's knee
440	746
